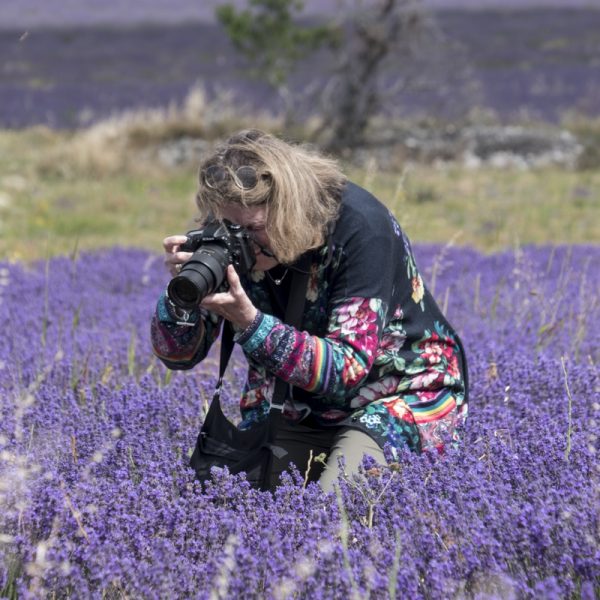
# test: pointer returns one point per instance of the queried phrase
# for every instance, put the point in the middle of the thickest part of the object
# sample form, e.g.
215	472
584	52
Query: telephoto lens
201	275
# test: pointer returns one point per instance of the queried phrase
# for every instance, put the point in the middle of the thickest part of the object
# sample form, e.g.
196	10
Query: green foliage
269	36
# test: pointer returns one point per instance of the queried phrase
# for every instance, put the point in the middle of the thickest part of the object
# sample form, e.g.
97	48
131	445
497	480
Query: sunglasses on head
244	177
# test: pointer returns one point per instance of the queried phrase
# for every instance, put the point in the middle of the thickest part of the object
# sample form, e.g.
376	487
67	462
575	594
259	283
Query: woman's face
254	219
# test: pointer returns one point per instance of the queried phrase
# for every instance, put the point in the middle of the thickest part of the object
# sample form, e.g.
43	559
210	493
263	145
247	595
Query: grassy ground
50	204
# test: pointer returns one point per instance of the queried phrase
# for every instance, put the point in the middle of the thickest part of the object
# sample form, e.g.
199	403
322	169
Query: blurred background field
485	132
67	63
50	206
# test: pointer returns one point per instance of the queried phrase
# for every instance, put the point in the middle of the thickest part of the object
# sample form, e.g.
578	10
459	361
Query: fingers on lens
171	243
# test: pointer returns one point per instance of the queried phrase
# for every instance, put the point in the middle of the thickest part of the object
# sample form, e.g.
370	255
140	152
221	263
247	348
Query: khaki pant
294	442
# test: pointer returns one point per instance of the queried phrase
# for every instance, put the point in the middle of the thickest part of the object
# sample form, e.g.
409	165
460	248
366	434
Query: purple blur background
70	62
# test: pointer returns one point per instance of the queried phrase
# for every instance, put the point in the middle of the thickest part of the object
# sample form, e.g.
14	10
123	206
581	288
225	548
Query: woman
374	362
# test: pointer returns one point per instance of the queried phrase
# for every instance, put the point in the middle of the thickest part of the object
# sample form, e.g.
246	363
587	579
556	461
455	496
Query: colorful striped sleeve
434	408
331	366
180	344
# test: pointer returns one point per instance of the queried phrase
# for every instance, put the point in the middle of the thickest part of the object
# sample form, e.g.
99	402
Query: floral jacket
374	350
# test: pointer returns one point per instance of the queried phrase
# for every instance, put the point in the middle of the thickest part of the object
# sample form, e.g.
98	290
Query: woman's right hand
173	257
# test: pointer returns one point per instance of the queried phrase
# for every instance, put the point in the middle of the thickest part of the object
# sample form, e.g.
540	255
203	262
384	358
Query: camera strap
293	317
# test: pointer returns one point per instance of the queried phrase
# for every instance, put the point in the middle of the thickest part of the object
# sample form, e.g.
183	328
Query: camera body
215	246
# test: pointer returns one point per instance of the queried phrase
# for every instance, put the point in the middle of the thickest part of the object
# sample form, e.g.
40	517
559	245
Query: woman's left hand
234	304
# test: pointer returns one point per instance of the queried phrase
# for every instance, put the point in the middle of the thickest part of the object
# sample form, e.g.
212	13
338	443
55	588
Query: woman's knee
352	445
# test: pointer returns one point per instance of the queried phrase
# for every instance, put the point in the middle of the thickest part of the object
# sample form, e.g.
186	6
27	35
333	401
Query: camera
215	246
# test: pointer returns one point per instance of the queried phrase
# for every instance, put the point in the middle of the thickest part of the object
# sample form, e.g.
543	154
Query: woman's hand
173	258
234	305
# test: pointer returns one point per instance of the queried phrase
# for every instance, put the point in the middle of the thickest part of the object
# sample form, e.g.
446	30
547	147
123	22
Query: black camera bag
220	443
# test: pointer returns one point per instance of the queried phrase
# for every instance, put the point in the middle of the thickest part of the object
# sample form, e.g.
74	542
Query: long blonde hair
300	188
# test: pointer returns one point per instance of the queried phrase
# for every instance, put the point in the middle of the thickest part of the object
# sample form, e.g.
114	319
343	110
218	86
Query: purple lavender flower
96	498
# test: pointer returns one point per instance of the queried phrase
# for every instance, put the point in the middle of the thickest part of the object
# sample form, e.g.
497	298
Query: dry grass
124	143
103	186
588	132
492	209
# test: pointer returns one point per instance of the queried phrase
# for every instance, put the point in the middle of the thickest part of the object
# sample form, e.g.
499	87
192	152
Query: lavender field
66	64
97	501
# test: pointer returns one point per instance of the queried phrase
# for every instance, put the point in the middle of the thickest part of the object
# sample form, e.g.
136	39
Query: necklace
278	280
